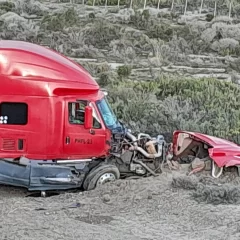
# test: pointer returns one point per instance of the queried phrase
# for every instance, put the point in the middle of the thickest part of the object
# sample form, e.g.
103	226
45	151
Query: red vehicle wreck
222	153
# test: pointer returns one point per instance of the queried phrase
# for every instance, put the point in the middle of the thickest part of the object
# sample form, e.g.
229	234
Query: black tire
96	173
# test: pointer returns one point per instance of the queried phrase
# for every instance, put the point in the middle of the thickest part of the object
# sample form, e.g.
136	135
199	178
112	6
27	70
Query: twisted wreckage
58	132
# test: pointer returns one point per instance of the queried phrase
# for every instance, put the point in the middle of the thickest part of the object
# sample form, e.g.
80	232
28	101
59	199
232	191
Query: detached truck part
57	130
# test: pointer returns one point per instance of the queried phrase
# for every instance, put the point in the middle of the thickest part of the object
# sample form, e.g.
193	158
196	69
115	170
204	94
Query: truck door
78	141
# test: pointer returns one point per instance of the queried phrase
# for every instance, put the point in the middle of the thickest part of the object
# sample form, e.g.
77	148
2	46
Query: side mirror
88	122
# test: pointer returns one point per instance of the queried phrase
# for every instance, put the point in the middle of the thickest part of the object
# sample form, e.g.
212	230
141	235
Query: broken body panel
223	152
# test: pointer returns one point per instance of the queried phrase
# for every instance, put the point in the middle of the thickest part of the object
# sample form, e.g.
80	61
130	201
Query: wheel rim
106	177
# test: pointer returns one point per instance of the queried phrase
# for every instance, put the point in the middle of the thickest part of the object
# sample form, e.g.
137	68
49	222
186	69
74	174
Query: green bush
106	78
7	6
101	33
160	30
140	20
59	21
204	105
91	15
124	71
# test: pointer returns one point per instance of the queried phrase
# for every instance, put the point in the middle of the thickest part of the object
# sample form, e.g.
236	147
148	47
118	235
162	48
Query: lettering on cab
83	141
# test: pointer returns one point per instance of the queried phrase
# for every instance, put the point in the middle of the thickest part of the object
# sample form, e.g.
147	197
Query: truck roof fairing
27	68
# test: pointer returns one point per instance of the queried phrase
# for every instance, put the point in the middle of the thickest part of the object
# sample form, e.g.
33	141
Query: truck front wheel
100	175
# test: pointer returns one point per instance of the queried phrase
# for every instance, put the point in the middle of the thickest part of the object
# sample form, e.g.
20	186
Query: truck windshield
107	114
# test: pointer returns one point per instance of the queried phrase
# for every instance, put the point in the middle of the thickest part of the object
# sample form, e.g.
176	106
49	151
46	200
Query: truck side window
77	114
13	113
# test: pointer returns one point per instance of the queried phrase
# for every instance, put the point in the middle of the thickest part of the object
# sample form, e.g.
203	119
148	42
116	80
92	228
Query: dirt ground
170	206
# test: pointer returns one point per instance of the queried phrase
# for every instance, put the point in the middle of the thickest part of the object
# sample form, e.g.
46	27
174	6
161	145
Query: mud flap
35	176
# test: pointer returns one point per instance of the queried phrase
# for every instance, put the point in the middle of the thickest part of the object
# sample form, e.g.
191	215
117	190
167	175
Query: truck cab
50	107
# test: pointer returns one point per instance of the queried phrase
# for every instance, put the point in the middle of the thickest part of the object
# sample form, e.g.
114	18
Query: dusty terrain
150	208
193	208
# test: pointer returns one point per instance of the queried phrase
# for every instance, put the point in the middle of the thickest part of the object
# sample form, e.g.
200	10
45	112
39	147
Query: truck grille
8	144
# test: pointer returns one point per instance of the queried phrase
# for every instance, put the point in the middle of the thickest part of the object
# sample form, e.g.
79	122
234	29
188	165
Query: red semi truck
57	130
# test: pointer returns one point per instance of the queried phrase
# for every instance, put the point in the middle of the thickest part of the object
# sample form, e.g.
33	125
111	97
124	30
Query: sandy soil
170	206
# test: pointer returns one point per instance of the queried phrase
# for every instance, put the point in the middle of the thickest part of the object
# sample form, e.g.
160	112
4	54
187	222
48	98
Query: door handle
67	140
91	131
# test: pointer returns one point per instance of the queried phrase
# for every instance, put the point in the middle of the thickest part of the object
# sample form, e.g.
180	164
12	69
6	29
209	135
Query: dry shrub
217	194
208	190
